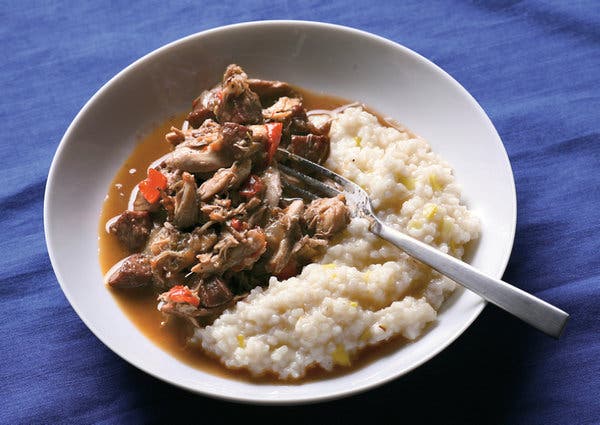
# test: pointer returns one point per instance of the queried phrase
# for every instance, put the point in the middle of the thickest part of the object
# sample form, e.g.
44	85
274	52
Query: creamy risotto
363	291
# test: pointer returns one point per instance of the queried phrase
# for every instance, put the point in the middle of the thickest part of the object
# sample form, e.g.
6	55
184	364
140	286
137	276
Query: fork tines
295	169
313	167
307	181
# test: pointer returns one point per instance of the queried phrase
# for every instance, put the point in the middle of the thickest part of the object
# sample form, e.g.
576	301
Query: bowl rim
48	232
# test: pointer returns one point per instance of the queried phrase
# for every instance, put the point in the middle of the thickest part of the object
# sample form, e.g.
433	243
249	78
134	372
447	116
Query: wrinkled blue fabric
533	66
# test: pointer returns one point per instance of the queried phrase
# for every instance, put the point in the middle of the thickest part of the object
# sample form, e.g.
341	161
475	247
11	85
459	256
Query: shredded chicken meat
212	220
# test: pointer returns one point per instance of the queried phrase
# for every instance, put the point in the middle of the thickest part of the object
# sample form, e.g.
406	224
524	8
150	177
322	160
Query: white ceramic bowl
321	57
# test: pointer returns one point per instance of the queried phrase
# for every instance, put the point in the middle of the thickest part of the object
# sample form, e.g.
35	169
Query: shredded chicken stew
211	221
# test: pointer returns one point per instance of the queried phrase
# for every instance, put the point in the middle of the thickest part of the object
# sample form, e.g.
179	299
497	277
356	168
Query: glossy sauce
140	304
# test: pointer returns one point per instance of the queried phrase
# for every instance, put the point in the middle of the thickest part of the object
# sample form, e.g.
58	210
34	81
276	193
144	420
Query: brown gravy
140	305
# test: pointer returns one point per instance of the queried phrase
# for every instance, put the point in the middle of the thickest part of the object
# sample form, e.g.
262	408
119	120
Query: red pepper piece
253	186
274	130
152	185
238	225
182	294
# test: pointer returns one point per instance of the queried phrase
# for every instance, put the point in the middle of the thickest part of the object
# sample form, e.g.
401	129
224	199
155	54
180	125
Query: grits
364	291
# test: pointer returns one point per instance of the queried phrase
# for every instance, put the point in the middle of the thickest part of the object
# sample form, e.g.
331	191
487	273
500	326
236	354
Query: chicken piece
236	251
324	217
132	272
238	141
283	109
216	262
225	179
259	133
268	91
257	217
282	235
213	146
173	252
204	107
302	125
168	237
176	136
209	133
186	210
194	161
220	210
307	249
238	103
208	103
168	267
273	189
199	303
304	251
183	302
202	239
132	228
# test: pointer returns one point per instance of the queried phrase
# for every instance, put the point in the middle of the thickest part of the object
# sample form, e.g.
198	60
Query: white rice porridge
363	291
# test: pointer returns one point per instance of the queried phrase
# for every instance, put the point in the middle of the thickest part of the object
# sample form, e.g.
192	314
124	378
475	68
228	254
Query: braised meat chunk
283	110
132	272
225	179
212	219
238	103
132	228
313	147
185	212
213	146
268	91
204	107
236	251
326	216
214	293
283	234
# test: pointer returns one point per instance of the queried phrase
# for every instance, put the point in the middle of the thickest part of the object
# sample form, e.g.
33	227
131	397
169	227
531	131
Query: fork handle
534	311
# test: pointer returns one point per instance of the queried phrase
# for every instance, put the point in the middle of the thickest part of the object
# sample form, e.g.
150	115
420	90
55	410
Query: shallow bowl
341	61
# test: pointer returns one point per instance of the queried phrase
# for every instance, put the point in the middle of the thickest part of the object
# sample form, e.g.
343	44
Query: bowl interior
320	57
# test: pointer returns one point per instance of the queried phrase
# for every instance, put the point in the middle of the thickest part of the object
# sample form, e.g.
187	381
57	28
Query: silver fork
532	310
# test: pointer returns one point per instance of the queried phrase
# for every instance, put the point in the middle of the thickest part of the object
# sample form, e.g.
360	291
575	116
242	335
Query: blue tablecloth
534	67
